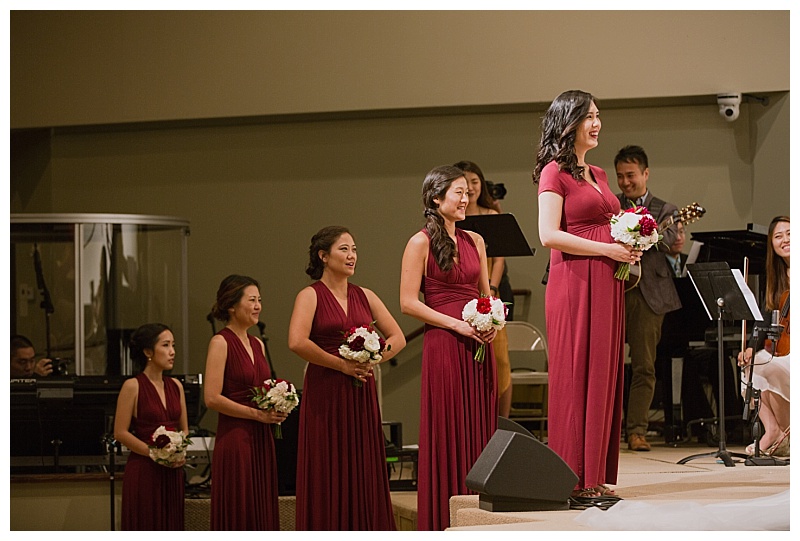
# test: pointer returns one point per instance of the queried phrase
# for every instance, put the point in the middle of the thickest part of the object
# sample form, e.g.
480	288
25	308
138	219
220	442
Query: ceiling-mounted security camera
729	105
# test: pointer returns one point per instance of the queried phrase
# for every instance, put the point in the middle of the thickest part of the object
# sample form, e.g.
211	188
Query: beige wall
115	66
256	189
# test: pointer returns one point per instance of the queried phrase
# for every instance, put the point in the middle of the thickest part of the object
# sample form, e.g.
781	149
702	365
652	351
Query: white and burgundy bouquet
168	446
364	345
277	394
636	228
485	313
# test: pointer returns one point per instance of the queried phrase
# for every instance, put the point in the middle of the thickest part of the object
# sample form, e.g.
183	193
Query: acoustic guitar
688	214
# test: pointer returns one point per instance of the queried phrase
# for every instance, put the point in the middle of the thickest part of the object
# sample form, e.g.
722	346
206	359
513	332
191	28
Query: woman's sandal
588	492
604	490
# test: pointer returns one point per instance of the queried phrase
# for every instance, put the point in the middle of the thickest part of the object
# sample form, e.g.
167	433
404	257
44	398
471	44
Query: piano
687	352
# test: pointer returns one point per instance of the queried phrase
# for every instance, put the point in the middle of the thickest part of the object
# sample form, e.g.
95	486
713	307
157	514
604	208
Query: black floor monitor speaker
517	472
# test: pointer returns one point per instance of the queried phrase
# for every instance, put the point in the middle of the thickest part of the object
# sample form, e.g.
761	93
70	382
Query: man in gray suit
653	296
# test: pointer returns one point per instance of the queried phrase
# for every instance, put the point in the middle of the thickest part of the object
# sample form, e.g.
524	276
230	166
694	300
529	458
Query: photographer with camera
23	360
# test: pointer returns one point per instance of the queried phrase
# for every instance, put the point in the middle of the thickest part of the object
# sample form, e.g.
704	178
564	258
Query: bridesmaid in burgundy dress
152	494
458	414
244	476
342	482
584	303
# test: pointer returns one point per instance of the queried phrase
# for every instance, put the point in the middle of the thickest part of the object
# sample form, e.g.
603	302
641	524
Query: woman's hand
623	253
360	371
488	336
744	359
465	329
270	416
178	464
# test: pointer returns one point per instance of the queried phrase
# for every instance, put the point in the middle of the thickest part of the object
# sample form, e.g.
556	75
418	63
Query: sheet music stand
501	232
723	296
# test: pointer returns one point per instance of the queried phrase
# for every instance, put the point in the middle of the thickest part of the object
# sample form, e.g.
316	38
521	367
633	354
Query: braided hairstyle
559	126
435	185
145	337
322	241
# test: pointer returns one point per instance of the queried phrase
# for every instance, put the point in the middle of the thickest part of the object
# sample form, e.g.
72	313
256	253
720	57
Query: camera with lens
496	190
60	367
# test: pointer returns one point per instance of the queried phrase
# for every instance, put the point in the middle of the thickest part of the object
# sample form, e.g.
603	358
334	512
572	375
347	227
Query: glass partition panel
125	271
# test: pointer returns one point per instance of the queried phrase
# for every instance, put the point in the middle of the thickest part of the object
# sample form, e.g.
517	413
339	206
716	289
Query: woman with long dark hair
584	303
771	366
341	458
244	475
152	493
458	413
482	203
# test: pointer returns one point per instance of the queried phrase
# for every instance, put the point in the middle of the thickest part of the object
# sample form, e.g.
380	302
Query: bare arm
413	267
386	324
126	411
184	422
305	305
212	388
551	235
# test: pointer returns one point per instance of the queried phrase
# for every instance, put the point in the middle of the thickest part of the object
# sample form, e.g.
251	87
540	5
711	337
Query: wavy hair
145	337
322	241
435	185
485	198
559	126
229	293
777	269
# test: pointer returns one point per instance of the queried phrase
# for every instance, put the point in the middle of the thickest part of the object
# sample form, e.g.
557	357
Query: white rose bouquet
485	313
168	446
364	345
636	228
277	394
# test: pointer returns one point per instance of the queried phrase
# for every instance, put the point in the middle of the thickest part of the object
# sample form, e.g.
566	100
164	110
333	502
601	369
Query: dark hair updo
229	293
145	337
322	241
435	185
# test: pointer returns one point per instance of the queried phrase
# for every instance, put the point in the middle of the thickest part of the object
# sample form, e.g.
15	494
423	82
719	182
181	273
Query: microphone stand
261	327
774	333
210	319
47	302
114	448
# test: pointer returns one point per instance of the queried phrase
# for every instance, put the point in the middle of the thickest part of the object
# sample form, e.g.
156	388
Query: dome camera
729	105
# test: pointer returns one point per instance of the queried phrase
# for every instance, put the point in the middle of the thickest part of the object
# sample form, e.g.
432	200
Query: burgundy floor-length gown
585	319
244	476
458	413
152	494
342	484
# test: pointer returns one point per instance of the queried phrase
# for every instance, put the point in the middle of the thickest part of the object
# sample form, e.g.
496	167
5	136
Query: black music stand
501	232
723	296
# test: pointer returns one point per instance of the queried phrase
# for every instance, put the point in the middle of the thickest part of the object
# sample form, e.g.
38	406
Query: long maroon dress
585	319
458	413
342	483
244	477
152	494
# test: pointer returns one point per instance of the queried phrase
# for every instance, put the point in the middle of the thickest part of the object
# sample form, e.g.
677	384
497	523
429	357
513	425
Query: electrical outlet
25	292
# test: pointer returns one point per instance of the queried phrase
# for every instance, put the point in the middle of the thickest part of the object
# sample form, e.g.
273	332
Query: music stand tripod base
722	295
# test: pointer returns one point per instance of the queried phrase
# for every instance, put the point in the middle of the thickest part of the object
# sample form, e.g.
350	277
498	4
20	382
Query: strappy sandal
781	445
588	492
604	490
